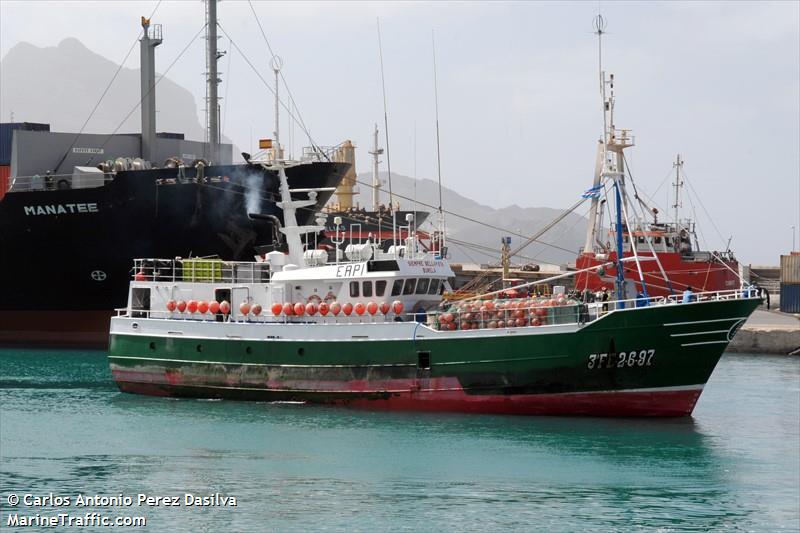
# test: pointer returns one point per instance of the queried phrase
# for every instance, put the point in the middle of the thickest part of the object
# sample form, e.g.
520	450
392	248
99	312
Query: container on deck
790	297
790	269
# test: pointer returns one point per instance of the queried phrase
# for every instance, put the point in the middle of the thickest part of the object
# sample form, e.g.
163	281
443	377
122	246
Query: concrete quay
769	332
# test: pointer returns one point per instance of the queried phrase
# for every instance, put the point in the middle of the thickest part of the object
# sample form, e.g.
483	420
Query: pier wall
782	341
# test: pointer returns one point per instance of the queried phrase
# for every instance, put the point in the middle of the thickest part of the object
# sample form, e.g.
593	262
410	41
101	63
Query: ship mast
678	164
212	81
376	182
151	37
277	64
612	166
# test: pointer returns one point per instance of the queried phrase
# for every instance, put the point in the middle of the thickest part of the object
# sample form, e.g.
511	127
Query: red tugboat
679	261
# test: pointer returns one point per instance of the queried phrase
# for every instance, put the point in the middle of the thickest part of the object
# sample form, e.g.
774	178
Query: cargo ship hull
638	362
78	244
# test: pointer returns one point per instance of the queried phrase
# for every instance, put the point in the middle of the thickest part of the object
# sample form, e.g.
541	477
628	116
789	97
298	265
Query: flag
593	192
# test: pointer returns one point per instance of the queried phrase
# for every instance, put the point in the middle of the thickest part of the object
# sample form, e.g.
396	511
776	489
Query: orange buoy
311	309
213	307
224	307
397	307
360	308
256	309
288	309
181	306
202	307
244	308
140	276
191	306
385	308
347	308
372	308
336	308
171	305
299	309
323	308
277	308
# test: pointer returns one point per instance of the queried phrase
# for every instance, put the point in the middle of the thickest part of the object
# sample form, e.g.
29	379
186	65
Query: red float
360	308
244	308
372	308
385	308
397	307
299	309
347	308
140	276
202	307
224	307
256	310
288	309
213	307
181	306
336	308
323	308
171	305
191	306
311	309
276	309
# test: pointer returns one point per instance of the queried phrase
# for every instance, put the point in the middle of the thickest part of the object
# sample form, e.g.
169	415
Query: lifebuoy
314	298
330	298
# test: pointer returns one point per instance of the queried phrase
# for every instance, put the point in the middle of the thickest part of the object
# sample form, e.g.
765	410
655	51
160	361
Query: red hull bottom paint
645	403
61	329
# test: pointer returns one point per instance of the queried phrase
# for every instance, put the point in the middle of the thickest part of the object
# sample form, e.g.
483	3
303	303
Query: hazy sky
518	100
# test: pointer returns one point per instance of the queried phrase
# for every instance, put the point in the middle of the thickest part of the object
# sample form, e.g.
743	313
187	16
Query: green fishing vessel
371	328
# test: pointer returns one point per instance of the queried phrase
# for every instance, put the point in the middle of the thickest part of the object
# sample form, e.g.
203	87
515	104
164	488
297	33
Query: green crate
202	270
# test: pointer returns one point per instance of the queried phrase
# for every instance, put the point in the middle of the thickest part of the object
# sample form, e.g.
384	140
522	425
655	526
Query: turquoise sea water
66	430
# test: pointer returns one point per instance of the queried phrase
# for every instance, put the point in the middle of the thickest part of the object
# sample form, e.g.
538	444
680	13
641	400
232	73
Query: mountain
63	83
474	221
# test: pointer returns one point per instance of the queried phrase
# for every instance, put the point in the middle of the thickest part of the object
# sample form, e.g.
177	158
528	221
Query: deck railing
200	270
522	314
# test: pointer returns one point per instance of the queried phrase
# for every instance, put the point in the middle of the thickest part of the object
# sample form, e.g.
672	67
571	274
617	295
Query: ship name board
353	269
60	209
428	267
78	150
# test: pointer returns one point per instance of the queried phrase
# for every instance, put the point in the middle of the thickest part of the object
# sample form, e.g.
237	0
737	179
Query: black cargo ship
67	240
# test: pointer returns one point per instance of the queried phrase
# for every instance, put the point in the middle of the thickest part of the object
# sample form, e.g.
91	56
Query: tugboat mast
678	164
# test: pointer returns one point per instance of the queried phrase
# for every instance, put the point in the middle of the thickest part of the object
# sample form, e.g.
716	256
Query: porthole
301	351
199	347
248	350
152	346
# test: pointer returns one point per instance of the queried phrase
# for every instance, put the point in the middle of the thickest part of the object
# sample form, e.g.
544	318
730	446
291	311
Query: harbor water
65	430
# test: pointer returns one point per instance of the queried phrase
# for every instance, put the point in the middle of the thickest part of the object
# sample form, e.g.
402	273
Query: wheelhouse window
422	286
658	240
397	288
434	286
354	289
367	288
380	287
409	286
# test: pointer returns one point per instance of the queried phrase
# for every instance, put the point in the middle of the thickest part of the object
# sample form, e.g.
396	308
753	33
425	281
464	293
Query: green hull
645	361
